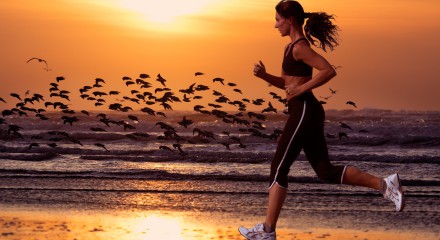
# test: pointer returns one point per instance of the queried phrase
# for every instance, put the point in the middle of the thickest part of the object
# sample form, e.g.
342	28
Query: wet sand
42	222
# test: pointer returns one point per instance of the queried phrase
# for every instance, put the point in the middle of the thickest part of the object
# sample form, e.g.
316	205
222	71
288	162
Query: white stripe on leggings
288	146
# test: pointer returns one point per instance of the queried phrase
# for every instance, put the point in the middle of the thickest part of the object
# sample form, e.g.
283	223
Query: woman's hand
259	70
293	90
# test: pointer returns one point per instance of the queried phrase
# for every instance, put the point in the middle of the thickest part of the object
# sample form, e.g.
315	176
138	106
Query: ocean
216	161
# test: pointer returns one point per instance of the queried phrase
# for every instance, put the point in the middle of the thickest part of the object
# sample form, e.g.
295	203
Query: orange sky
388	50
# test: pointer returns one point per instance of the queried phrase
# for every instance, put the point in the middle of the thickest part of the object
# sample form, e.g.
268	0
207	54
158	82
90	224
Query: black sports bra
293	67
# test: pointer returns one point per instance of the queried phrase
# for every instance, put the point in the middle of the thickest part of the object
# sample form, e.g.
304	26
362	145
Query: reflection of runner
304	129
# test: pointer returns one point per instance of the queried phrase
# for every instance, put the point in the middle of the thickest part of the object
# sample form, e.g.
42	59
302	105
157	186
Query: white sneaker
394	191
257	233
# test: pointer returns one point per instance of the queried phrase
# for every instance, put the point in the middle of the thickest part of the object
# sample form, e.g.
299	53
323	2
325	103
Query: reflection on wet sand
134	224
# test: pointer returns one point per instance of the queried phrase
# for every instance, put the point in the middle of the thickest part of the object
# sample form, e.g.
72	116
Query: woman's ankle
268	229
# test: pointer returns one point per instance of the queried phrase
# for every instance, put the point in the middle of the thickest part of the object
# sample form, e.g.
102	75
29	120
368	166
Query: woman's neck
296	34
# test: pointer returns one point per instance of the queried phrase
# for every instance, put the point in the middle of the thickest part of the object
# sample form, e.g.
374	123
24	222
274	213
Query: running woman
304	129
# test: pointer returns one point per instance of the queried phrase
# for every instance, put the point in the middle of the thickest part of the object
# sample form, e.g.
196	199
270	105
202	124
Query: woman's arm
260	71
326	72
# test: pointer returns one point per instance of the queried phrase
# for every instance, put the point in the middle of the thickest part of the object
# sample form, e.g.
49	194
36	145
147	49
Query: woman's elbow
332	73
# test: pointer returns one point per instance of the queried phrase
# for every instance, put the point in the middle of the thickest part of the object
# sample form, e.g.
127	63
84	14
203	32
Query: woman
304	129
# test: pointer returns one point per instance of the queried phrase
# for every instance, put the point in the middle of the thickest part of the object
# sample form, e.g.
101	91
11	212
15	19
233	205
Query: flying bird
344	125
351	103
101	145
98	80
333	91
237	90
198	74
144	75
16	96
226	144
165	148
326	98
161	79
269	109
185	122
218	80
133	118
60	78
40	60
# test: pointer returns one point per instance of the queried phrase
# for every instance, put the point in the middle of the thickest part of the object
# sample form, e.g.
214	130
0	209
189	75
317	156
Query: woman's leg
277	195
288	149
357	177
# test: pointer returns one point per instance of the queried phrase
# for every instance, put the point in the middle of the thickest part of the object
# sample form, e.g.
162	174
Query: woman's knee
331	174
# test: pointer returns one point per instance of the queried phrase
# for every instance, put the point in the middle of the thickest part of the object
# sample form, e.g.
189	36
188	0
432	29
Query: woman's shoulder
302	47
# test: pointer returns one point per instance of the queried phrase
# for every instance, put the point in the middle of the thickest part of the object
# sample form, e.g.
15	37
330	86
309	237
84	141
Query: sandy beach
42	222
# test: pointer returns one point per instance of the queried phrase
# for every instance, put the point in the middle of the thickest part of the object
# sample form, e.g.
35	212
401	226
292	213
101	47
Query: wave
214	155
369	127
164	175
30	157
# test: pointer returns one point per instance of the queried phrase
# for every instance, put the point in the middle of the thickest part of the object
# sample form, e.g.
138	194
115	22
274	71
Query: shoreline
47	222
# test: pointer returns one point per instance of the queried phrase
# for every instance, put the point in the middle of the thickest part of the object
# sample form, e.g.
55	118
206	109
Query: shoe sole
242	234
402	193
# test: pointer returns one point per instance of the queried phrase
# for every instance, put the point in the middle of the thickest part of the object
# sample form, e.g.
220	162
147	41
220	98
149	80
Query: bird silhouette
101	145
217	79
201	88
161	79
128	83
1	99
185	122
333	91
144	75
344	125
60	78
16	95
226	144
351	103
133	118
269	109
179	148
326	98
99	80
7	113
85	112
166	148
237	90
198	74
40	60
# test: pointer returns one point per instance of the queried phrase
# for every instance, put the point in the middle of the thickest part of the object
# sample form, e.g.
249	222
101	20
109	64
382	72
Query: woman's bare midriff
294	81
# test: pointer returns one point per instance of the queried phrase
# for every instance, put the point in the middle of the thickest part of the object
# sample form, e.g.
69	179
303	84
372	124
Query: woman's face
283	25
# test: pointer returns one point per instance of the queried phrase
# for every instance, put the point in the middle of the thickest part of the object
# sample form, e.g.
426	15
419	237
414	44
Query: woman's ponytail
319	26
319	29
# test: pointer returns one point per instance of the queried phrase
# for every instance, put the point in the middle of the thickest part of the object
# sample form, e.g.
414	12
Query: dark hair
318	24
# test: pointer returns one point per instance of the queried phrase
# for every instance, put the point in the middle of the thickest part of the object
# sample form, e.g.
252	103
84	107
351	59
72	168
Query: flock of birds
148	98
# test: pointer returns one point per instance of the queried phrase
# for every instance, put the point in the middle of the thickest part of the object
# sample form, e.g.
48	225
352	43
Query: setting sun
160	11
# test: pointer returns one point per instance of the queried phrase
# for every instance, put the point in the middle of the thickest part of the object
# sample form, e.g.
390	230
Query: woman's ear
290	20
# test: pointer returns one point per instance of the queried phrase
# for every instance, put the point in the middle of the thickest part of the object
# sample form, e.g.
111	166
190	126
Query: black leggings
304	130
